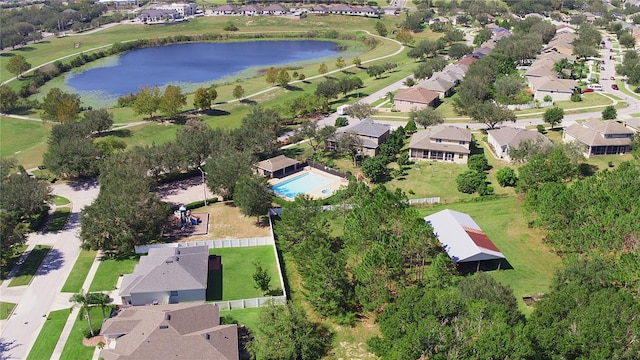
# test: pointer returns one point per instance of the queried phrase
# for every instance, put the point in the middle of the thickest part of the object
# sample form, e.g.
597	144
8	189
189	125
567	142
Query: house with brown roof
370	133
167	276
597	137
275	9
508	138
250	10
415	98
441	143
558	89
466	60
178	331
277	166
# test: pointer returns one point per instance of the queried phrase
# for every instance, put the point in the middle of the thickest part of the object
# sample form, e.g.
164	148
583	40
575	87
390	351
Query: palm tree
99	299
82	299
390	95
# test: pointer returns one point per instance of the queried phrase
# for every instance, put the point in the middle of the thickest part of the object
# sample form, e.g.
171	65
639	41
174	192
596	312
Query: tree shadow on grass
293	88
216	112
7	54
586	170
121	133
248	102
292	152
26	48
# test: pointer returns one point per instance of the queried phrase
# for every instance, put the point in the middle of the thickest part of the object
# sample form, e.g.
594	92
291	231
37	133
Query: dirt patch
93	342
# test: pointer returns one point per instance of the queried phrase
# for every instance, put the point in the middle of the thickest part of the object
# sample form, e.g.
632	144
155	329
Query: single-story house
466	61
250	10
540	70
441	143
462	239
279	164
415	97
633	124
443	87
150	16
606	137
508	138
558	89
275	9
167	276
371	135
446	76
225	9
178	331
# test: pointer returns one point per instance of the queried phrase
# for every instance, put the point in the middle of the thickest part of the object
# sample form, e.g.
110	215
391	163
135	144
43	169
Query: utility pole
204	185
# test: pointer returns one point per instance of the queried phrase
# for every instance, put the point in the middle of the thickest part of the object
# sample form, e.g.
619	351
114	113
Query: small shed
278	165
462	239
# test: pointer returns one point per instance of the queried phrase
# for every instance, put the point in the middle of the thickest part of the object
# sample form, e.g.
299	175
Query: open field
30	266
23	139
49	335
108	272
79	272
504	223
235	280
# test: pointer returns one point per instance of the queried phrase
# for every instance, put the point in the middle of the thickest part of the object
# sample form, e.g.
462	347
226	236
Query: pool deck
335	184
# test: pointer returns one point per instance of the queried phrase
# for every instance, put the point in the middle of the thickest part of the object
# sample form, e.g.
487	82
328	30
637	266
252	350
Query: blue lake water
191	63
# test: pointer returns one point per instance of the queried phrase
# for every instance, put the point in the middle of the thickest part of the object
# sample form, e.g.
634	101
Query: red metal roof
480	239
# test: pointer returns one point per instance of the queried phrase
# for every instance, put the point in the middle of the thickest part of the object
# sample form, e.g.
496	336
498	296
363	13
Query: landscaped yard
30	265
109	270
503	222
79	272
235	280
247	317
74	349
6	309
49	335
431	179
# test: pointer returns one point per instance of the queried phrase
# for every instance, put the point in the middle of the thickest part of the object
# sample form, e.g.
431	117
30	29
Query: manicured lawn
503	222
30	266
11	261
58	219
49	335
236	276
74	349
26	140
79	272
108	272
247	317
59	200
5	309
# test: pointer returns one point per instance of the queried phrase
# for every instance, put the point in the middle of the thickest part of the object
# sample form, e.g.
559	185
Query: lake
191	63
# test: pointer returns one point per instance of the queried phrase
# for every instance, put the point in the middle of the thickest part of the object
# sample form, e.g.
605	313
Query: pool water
300	184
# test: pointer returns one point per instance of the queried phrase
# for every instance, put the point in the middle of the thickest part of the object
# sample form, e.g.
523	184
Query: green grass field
108	272
504	223
74	349
5	309
11	261
25	140
59	200
79	272
30	266
237	273
247	317
58	219
49	335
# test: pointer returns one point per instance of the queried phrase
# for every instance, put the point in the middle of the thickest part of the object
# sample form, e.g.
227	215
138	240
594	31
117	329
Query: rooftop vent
164	326
167	317
207	336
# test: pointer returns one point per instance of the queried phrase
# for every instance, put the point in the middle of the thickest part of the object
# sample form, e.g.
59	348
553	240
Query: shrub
541	129
507	177
478	162
576	98
547	98
231	27
341	121
470	181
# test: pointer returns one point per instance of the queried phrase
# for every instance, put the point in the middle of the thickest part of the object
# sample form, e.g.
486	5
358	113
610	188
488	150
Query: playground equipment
185	218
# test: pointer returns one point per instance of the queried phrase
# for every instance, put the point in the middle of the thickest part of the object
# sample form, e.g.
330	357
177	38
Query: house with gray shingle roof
558	89
441	143
273	166
167	276
508	138
178	331
225	9
443	87
606	137
371	135
415	98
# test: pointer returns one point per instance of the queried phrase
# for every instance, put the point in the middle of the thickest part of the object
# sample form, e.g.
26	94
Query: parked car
587	90
612	78
602	62
601	68
614	86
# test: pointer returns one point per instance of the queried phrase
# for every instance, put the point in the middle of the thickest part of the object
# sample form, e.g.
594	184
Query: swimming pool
300	184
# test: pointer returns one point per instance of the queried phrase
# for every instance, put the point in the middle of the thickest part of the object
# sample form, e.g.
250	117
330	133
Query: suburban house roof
450	77
178	331
226	7
461	237
426	139
366	127
275	7
556	56
550	83
512	137
417	95
439	85
539	71
277	163
594	132
633	123
466	61
167	269
457	68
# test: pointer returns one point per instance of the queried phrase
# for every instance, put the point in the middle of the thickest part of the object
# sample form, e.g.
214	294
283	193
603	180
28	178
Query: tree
375	71
545	168
8	99
381	29
99	299
172	100
18	65
284	332
478	162
360	110
97	121
553	116
411	127
70	151
470	181
350	143
491	114
60	106
202	99
328	88
506	177
261	277
81	299
425	117
147	101
284	78
456	51
13	233
375	168
316	135
405	37
357	62
340	63
213	93
238	92
482	36
349	84
271	76
252	196
224	172
627	40
630	67
323	69
196	141
609	113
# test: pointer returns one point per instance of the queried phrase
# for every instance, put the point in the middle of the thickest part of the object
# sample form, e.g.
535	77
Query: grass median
5	309
30	266
79	272
49	335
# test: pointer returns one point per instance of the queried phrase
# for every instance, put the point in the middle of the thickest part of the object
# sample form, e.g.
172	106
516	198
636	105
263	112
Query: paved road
36	299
